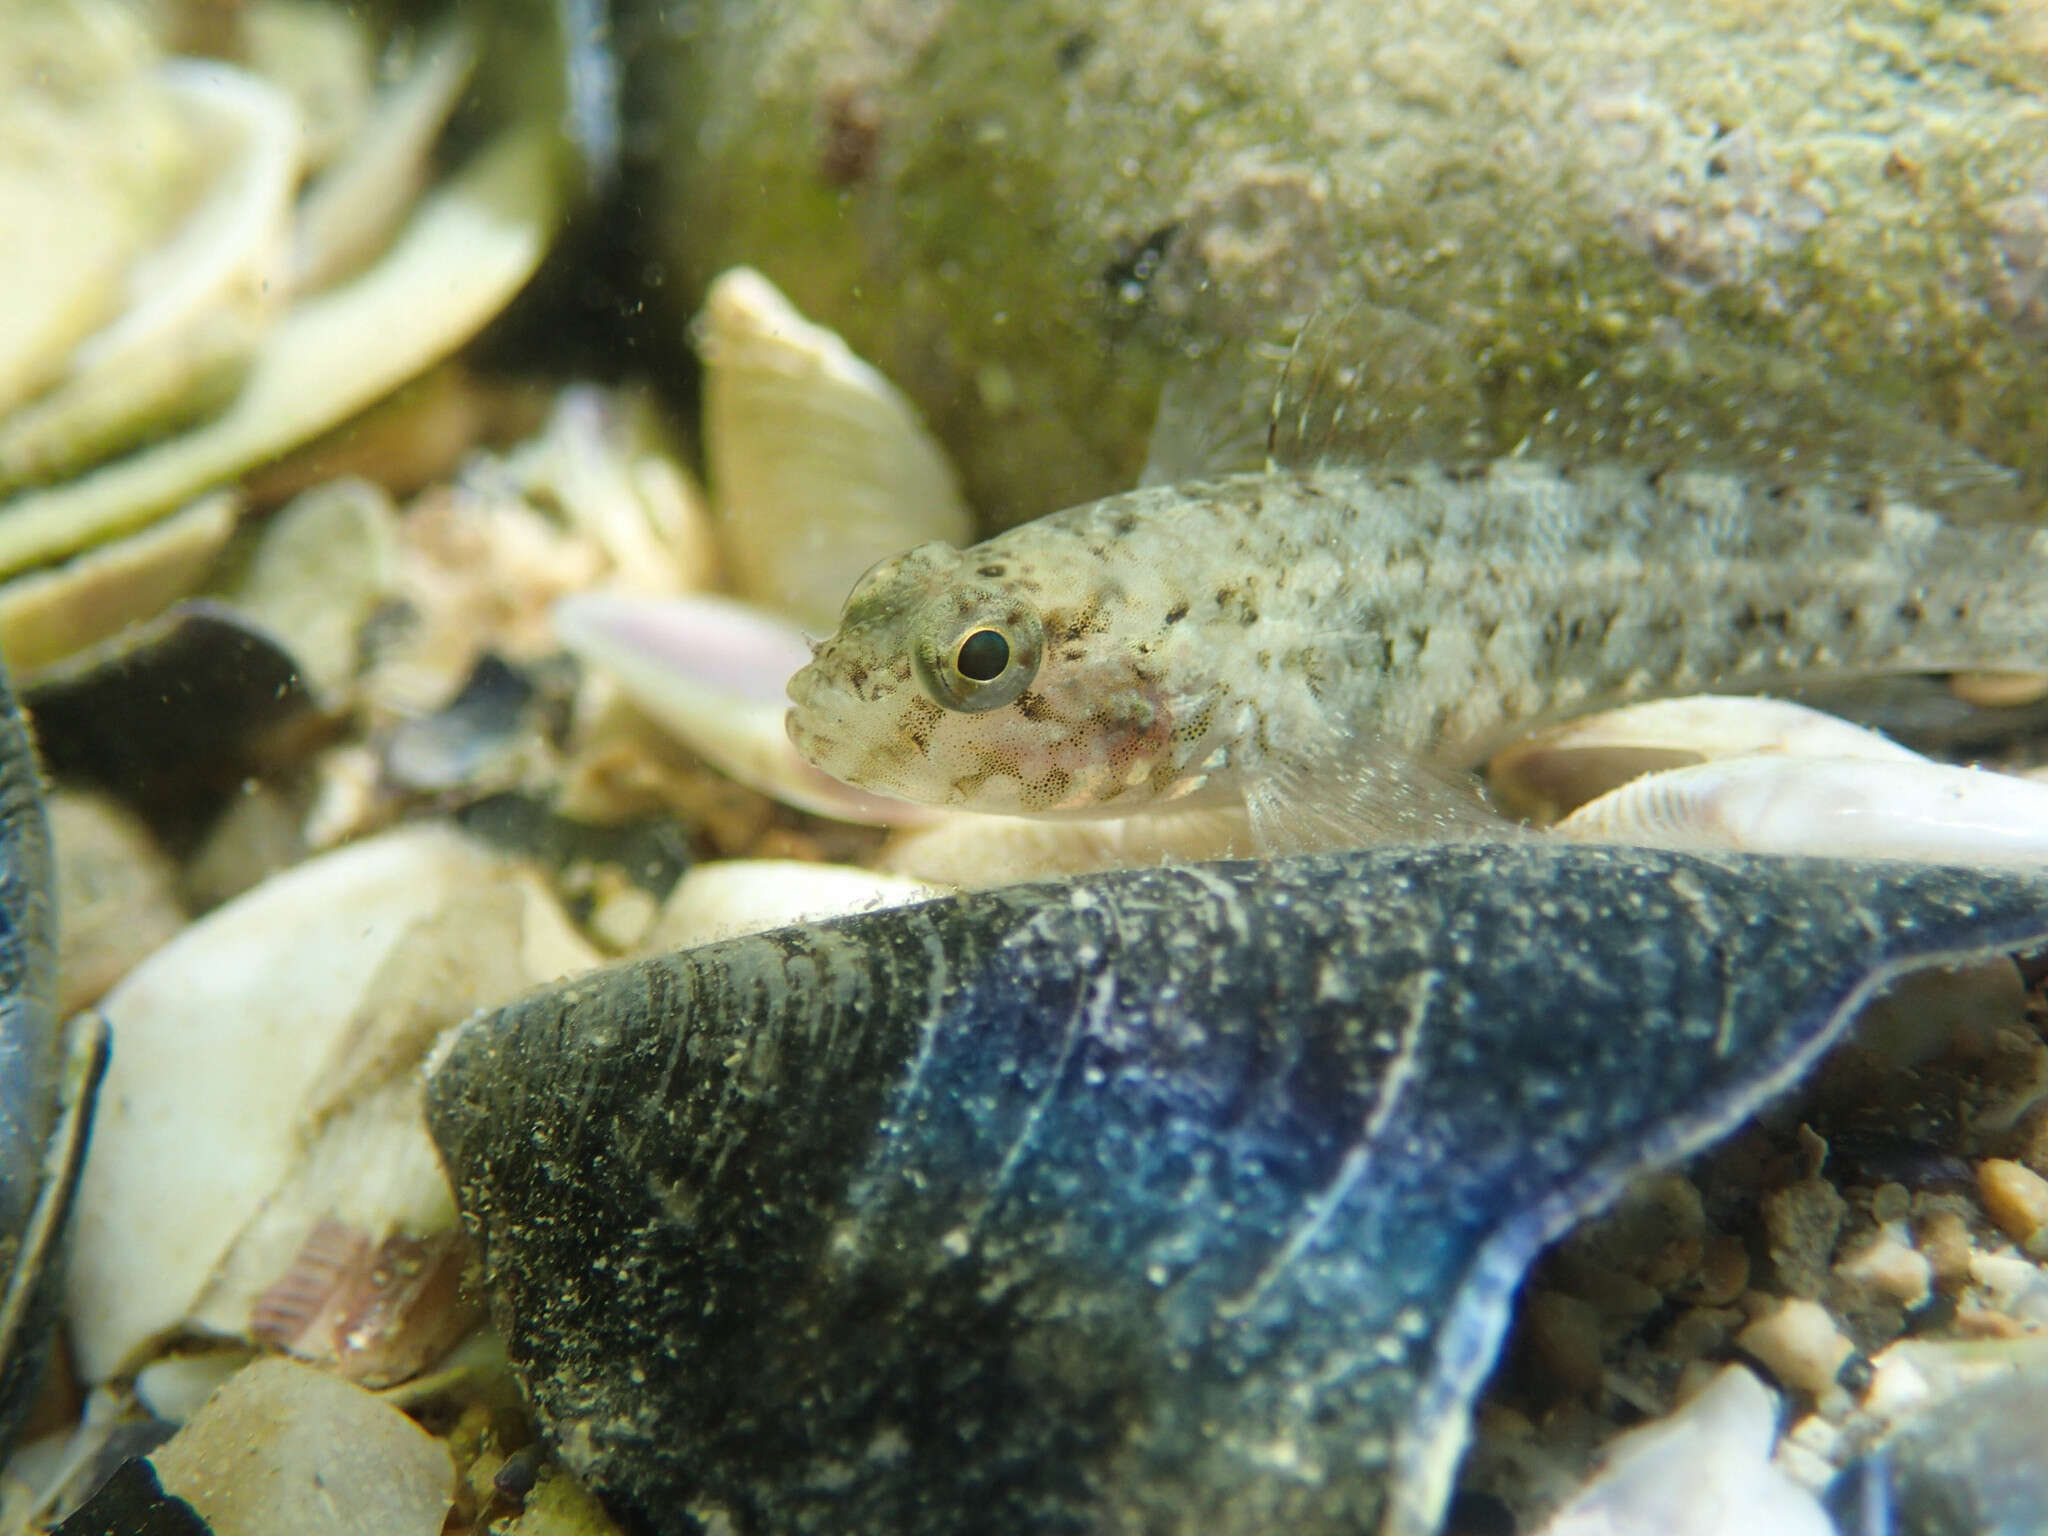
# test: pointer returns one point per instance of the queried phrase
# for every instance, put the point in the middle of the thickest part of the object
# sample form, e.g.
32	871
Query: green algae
1786	233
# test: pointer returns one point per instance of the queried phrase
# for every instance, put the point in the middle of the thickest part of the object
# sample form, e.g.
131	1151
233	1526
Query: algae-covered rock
1651	226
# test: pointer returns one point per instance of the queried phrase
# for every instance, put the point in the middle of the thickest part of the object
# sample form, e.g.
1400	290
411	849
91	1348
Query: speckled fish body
1332	647
1188	1202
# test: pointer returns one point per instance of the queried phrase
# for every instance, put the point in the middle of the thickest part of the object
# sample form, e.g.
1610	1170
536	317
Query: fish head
958	679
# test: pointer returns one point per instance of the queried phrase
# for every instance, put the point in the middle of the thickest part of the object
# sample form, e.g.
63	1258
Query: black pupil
983	655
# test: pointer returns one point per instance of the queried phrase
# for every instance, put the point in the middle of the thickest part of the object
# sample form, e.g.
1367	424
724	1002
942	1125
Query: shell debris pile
377	693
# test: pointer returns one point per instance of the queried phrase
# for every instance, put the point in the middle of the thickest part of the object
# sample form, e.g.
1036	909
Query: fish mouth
802	686
811	716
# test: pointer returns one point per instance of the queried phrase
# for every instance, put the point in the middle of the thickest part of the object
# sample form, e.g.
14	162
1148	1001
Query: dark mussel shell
1186	1200
47	1078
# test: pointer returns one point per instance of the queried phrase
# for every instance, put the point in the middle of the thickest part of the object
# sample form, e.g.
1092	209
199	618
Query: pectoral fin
1328	800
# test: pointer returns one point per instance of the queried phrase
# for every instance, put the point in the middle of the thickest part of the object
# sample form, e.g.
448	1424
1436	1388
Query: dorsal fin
1212	419
1364	383
1367	383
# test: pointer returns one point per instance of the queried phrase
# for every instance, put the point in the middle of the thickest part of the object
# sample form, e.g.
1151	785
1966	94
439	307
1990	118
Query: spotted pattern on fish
1326	640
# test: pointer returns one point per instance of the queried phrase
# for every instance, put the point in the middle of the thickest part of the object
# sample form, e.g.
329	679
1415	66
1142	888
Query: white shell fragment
819	465
98	161
48	615
712	672
230	252
349	213
197	304
324	565
978	852
602	462
728	897
1704	1471
262	1085
1842	807
1558	770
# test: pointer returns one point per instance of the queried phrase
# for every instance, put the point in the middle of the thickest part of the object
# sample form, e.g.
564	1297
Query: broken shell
714	672
1544	776
197	304
172	713
325	564
302	1005
819	465
602	461
1972	1459
1839	807
975	851
1185	1200
347	216
117	890
97	159
49	615
466	250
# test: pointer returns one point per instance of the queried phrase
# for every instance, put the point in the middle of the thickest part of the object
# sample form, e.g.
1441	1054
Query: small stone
1890	1202
1890	1269
1802	1222
1611	1292
1944	1237
1703	1471
2017	1287
622	917
285	1447
2015	1197
1701	1331
1999	690
1563	1334
1799	1344
1724	1271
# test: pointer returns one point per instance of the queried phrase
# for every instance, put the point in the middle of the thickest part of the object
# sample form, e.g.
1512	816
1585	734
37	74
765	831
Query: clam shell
1175	1201
819	466
466	250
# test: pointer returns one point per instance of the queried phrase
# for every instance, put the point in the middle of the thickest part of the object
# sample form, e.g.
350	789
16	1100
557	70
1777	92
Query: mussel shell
1184	1200
45	1089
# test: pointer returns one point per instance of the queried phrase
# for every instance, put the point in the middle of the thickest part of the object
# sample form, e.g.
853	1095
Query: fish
1332	649
1183	1200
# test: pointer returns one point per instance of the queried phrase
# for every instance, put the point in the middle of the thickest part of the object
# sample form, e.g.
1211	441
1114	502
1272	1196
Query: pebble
1890	1268
2016	1198
1891	1202
1944	1237
1563	1335
1724	1271
285	1447
1797	1341
1802	1222
1703	1471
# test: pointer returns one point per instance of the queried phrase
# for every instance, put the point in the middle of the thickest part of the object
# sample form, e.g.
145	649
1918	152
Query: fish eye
982	656
979	650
